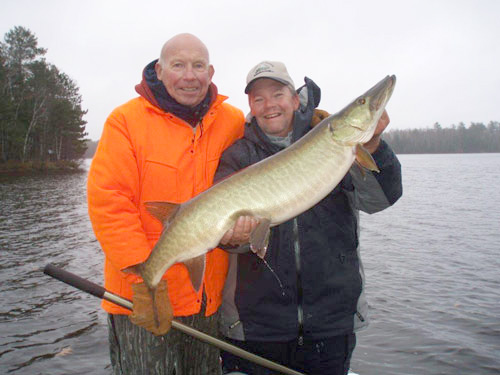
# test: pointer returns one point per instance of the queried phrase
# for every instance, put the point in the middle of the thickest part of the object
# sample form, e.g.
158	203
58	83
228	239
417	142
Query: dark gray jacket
316	291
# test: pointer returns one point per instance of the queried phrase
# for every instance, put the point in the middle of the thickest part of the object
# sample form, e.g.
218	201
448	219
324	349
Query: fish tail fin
136	269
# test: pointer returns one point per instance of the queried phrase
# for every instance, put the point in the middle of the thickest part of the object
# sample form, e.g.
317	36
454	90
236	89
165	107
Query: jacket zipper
193	147
300	309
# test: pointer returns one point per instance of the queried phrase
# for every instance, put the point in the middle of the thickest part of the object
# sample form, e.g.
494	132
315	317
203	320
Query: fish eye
361	101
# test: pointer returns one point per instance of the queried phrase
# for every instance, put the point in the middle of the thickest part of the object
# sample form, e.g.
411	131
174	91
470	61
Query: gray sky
445	54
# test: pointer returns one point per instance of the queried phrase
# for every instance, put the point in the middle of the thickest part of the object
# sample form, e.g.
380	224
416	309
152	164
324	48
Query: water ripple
431	263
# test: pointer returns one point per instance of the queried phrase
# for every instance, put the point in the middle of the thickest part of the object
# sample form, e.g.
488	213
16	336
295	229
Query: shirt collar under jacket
281	141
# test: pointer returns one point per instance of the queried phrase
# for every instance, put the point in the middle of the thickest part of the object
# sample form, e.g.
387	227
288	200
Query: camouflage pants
136	351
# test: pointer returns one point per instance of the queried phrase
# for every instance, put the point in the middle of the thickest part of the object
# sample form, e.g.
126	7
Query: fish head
357	122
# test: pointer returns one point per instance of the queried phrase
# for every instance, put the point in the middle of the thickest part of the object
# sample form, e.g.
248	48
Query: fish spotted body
273	190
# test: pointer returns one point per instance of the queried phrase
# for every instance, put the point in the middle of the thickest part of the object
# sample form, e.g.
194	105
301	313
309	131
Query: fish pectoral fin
163	211
196	269
365	159
361	169
259	238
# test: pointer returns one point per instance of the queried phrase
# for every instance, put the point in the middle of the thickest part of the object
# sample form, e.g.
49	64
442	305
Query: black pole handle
74	280
100	292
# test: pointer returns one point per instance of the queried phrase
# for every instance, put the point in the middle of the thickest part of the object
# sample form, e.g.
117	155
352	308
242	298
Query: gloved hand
318	115
143	313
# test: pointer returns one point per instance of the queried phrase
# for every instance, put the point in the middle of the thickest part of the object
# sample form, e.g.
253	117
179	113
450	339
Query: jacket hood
143	88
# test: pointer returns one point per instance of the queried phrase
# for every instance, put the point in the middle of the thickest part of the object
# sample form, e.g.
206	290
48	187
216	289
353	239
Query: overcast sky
445	54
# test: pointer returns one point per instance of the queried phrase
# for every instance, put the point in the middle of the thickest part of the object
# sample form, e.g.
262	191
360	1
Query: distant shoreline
17	168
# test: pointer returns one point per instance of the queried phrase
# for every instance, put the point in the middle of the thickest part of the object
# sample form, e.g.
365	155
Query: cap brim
247	88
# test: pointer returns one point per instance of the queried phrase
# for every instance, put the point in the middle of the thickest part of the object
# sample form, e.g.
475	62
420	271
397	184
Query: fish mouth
381	93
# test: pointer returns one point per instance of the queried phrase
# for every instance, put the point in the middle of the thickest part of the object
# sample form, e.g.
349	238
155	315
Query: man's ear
296	102
158	70
211	71
251	110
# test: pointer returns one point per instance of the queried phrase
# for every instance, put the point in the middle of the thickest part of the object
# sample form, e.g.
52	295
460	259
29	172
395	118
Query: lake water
432	264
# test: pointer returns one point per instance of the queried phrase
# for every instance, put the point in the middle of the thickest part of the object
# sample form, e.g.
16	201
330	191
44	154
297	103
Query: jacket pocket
159	182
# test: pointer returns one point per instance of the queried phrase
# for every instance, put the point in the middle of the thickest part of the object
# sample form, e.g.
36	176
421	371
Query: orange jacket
146	154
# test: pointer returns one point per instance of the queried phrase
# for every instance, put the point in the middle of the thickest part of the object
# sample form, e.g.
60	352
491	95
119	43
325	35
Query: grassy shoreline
37	167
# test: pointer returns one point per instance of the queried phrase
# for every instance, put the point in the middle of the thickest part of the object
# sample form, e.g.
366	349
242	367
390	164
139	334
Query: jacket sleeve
113	197
373	192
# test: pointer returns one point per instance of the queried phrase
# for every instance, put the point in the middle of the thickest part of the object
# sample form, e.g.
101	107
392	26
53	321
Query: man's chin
189	101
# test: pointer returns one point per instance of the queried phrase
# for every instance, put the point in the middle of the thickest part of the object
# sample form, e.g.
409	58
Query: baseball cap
269	69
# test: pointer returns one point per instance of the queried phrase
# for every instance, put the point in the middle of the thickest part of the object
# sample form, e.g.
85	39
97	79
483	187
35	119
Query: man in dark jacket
302	305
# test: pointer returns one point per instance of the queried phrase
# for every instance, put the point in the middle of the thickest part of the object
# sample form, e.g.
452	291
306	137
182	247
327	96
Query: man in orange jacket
164	145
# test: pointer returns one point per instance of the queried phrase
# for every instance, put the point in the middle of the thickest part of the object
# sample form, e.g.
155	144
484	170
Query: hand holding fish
372	145
239	234
318	116
144	305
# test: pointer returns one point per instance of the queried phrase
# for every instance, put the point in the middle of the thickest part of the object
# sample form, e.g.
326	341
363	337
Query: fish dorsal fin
365	159
196	269
259	238
162	211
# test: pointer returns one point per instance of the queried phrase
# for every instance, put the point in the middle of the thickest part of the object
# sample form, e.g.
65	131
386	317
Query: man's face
273	104
186	72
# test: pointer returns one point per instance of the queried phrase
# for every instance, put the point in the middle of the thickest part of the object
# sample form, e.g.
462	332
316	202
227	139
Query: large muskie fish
274	190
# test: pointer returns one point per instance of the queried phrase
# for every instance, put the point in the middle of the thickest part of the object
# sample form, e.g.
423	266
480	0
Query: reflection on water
432	271
47	326
431	263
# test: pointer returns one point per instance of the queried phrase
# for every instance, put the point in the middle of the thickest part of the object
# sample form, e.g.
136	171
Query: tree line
41	117
476	138
459	139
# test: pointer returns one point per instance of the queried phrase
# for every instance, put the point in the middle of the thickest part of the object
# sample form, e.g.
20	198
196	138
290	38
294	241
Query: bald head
183	41
184	69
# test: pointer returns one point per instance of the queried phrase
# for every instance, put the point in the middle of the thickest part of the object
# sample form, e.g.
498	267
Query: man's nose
189	73
269	103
